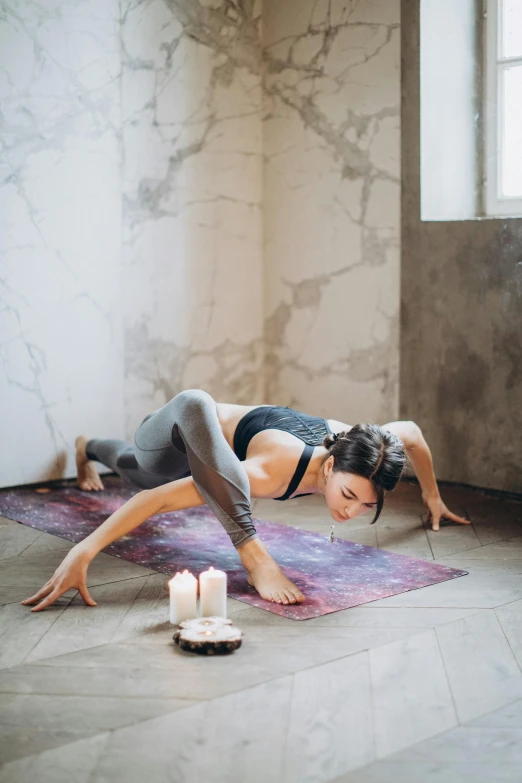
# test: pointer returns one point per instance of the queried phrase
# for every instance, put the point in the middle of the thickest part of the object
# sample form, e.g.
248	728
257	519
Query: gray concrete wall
461	324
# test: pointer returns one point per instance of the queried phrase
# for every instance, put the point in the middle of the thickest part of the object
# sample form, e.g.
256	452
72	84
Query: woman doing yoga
194	451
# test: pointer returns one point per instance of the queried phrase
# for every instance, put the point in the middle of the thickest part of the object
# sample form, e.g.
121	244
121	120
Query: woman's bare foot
272	584
88	477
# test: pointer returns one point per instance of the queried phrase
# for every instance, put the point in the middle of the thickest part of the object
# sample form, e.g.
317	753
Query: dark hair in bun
371	452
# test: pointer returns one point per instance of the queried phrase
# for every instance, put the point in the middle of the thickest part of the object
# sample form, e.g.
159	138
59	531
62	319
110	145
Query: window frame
496	205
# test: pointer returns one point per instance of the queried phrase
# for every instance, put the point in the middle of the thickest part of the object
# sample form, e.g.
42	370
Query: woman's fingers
48	595
82	587
434	519
450	515
70	575
46	589
437	510
50	599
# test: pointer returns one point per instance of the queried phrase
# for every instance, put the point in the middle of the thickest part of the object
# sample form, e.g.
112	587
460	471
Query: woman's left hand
437	511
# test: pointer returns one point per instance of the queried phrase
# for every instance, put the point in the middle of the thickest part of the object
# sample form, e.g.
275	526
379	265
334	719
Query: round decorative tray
208	636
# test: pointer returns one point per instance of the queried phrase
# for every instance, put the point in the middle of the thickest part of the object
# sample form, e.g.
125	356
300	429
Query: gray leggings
184	438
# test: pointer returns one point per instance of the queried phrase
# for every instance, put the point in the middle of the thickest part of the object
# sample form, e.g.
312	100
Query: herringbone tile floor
423	686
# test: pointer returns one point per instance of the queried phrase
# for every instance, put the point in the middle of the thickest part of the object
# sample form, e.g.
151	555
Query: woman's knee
193	402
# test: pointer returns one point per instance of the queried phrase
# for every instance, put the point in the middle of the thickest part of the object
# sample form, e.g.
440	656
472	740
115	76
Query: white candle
213	593
183	590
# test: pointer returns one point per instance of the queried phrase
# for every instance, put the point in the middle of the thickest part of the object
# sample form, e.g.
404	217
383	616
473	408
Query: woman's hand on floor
70	574
437	511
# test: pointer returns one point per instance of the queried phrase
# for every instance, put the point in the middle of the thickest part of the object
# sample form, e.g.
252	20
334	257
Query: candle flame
183	578
206	633
211	568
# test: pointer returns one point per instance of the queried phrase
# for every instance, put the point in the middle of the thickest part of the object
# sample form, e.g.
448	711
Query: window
503	82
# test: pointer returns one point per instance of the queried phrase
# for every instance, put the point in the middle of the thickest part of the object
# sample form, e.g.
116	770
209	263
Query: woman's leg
119	457
188	426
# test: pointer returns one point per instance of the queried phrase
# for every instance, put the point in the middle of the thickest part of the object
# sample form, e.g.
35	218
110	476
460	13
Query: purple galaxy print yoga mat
332	576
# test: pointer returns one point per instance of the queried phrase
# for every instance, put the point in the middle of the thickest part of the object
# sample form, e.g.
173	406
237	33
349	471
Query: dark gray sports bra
312	430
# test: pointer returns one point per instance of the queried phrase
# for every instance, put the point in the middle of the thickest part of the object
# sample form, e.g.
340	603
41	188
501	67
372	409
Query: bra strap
302	465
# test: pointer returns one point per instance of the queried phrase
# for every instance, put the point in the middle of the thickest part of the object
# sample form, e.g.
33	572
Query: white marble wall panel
61	335
167	216
331	206
192	202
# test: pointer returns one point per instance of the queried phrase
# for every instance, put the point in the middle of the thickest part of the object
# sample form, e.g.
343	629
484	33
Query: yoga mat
332	576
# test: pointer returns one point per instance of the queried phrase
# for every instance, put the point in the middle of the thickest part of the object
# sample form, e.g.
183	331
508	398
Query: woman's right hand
70	574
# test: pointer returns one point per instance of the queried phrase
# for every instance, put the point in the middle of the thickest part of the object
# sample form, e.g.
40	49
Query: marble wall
61	329
192	179
131	217
331	206
189	200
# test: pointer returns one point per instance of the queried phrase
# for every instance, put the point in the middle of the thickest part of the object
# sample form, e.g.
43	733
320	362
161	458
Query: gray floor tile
401	518
15	539
331	726
452	537
131	665
72	763
413	543
33	723
80	626
236	738
483	587
266	654
116	682
48	543
510	549
482	744
375	617
480	665
509	717
368	616
494	520
408	705
431	772
17	742
149	611
510	618
487	567
21	630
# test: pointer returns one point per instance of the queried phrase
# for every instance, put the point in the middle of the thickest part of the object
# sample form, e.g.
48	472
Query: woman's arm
145	504
174	496
418	454
420	457
72	571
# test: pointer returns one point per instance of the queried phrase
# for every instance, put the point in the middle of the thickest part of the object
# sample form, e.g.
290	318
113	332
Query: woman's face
347	495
